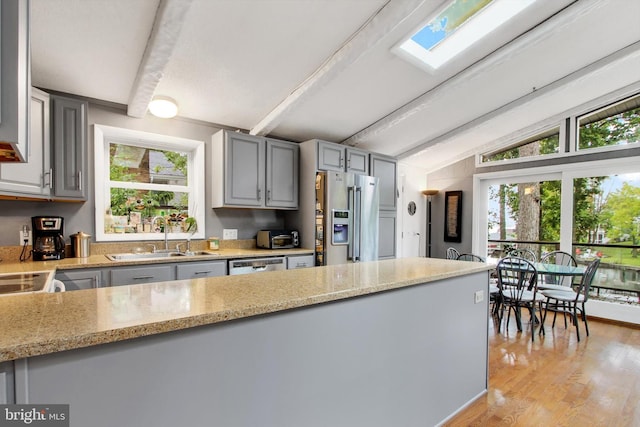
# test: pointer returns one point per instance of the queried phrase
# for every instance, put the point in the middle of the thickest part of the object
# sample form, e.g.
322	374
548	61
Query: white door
413	220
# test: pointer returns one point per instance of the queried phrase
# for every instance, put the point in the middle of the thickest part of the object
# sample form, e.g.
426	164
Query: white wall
411	228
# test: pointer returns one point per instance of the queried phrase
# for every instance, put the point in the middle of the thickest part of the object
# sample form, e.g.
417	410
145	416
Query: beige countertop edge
37	345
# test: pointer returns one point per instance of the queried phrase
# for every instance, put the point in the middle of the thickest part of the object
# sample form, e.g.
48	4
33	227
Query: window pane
129	163
542	145
607	225
133	211
618	124
524	216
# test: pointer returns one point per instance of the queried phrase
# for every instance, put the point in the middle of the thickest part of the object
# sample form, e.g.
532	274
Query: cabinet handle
143	277
341	161
259	195
49	182
268	195
201	272
79	181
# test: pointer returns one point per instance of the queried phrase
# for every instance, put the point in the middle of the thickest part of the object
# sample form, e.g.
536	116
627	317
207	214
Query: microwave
277	239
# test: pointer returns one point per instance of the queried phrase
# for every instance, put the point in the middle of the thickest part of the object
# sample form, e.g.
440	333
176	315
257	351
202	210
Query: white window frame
565	173
104	135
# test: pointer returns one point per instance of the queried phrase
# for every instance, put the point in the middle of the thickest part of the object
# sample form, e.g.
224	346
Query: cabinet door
196	270
139	274
34	177
385	169
244	170
357	161
282	174
69	123
7	383
330	156
15	80
80	279
387	237
300	261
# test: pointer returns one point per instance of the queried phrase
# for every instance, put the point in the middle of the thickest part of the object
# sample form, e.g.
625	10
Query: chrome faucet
166	227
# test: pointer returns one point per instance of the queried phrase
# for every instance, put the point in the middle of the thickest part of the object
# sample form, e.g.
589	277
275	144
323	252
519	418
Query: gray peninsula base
407	357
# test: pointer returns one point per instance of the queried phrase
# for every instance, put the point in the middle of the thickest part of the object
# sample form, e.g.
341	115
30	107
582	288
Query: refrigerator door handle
350	204
357	221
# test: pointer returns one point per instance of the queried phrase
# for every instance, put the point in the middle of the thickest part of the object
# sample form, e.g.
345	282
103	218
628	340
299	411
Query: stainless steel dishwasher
256	265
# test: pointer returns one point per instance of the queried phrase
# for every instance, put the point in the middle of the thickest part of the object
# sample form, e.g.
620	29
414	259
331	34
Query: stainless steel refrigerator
346	218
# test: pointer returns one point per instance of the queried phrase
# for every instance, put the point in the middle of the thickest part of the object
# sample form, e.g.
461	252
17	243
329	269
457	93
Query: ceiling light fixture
163	107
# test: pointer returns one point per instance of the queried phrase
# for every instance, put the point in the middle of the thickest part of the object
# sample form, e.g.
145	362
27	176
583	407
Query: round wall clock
411	208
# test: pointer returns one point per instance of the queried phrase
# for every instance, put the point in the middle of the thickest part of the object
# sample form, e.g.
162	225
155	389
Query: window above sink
149	183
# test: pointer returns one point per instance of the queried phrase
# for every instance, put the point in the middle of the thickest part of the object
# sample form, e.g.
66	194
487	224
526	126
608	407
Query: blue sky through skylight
458	26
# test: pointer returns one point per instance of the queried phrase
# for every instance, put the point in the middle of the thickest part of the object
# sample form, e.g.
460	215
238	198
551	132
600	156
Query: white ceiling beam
381	23
162	40
556	24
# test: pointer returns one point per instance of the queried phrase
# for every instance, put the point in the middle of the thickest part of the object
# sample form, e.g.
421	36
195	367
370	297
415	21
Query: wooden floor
557	381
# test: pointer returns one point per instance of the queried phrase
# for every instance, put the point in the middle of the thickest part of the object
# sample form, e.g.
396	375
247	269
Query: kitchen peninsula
393	342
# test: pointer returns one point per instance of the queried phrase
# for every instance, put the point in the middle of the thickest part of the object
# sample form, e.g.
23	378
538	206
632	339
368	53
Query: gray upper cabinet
357	161
69	133
336	157
33	177
330	156
385	168
15	80
254	172
283	159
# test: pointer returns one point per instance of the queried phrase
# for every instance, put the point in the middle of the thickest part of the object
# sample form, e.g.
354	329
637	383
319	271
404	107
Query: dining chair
452	253
517	282
572	303
556	282
527	254
470	257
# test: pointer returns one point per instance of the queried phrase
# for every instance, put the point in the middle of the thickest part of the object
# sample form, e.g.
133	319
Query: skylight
461	24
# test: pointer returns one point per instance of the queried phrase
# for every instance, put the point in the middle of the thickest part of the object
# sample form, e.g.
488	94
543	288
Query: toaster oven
277	239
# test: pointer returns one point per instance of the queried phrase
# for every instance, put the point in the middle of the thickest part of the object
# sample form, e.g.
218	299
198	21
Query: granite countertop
100	260
36	324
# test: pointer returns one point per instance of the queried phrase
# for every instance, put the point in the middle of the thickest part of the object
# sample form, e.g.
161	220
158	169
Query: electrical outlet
25	235
230	234
479	296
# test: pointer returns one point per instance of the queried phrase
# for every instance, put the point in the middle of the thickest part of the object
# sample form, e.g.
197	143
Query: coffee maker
48	241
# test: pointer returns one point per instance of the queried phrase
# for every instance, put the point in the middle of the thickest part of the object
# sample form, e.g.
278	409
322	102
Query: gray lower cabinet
33	177
142	274
69	139
7	390
300	261
80	279
196	270
387	237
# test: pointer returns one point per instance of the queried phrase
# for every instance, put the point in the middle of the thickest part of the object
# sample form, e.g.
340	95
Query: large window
148	185
523	215
614	125
539	145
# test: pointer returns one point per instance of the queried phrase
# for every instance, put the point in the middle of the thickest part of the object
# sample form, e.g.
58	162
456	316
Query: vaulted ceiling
325	69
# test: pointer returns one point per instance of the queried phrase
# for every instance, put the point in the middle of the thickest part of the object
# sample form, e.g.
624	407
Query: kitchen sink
155	255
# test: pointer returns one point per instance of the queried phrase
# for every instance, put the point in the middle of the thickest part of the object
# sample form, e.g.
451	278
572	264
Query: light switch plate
230	234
